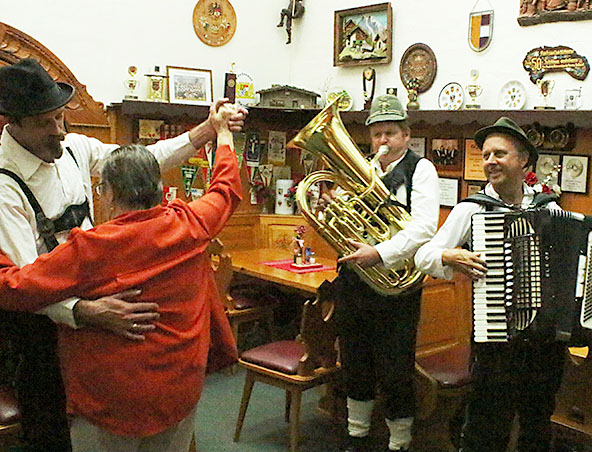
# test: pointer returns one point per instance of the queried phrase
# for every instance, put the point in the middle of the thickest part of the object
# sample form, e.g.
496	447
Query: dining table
252	262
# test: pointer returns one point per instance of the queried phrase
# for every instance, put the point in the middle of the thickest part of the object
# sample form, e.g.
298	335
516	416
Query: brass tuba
365	214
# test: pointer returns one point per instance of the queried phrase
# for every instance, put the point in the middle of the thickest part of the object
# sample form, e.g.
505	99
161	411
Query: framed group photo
190	86
574	173
363	35
446	154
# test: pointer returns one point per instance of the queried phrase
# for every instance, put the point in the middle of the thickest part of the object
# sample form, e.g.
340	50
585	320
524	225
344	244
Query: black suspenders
72	217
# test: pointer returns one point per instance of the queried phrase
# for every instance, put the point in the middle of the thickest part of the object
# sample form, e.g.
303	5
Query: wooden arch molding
83	113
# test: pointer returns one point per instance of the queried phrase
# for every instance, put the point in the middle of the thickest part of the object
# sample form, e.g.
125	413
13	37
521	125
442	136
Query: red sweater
138	388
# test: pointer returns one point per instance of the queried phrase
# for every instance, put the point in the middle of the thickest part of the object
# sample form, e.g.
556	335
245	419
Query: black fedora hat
506	126
26	89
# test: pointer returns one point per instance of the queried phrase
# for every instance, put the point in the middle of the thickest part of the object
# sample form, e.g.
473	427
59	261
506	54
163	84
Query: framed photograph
363	35
418	145
473	161
574	173
446	155
448	192
190	86
475	188
547	169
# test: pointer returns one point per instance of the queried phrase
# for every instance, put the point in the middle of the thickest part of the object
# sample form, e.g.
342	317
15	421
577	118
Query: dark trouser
377	338
522	378
39	386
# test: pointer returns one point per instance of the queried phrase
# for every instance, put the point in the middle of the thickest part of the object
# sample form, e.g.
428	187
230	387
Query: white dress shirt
425	209
56	186
456	231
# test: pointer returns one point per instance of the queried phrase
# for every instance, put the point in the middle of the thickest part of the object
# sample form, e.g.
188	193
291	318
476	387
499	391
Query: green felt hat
386	108
506	126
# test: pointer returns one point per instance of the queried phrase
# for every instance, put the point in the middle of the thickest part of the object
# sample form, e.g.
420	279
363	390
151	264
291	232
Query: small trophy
131	83
412	92
546	88
474	91
368	85
156	86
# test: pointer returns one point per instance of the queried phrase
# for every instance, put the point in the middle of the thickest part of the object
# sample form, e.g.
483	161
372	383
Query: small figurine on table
295	10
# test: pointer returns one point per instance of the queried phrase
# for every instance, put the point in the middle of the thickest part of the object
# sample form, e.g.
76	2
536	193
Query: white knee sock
400	433
358	417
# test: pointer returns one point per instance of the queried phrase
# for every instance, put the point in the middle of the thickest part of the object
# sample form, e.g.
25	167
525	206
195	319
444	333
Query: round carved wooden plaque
214	22
418	67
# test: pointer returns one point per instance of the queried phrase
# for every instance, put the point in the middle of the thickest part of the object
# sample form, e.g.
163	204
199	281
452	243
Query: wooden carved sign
541	60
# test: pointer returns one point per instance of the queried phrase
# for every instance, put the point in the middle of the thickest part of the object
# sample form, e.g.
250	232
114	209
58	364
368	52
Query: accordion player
539	274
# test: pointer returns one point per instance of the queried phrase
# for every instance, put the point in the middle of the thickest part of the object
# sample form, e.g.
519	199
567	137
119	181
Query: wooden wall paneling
241	232
446	318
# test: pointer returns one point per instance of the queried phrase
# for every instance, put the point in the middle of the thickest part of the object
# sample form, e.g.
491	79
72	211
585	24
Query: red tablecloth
286	265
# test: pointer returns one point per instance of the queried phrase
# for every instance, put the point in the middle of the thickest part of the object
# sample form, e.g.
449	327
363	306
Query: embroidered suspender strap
45	226
72	217
403	174
85	205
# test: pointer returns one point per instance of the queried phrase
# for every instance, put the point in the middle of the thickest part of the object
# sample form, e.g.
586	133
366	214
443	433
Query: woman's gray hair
133	175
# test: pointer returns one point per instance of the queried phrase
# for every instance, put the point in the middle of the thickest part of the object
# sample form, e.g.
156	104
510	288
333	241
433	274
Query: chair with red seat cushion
10	418
442	381
245	303
295	366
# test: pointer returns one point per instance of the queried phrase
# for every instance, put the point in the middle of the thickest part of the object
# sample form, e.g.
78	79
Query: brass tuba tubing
366	204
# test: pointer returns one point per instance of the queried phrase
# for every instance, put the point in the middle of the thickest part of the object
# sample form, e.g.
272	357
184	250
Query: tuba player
377	333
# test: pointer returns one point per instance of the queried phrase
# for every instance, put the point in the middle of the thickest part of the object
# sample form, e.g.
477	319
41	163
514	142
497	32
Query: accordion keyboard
489	293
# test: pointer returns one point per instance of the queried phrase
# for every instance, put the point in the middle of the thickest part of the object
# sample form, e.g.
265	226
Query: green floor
264	429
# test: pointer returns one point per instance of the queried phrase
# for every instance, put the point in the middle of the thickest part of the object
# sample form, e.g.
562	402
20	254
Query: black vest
402	174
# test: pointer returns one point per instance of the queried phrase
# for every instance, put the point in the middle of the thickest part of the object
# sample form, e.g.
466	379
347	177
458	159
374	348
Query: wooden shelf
580	118
193	113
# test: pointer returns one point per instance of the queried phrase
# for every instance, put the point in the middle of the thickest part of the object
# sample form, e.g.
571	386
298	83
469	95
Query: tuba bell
363	212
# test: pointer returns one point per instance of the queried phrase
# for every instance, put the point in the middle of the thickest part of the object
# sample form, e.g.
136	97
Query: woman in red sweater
139	396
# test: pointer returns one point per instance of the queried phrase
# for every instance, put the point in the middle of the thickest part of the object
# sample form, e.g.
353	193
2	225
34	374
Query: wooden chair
244	304
295	366
10	417
442	382
572	419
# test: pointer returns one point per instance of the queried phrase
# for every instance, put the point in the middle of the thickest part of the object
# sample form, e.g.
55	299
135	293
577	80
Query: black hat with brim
506	126
26	89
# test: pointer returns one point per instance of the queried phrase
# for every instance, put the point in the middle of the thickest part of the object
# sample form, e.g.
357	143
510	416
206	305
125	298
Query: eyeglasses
100	188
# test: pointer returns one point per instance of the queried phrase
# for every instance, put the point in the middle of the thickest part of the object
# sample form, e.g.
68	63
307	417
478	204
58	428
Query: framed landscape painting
363	35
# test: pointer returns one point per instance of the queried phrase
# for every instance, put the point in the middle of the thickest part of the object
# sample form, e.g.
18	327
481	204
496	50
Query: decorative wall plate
512	96
418	66
214	22
346	103
451	97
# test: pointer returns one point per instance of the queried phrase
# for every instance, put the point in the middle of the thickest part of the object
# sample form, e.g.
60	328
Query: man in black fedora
522	376
45	191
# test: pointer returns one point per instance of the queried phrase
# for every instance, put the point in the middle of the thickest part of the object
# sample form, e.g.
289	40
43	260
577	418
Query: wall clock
214	22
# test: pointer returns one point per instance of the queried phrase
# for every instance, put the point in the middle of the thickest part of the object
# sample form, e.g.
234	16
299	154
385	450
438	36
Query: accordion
539	275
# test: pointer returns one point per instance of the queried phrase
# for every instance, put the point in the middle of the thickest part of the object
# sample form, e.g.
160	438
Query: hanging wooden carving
214	22
533	12
541	60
